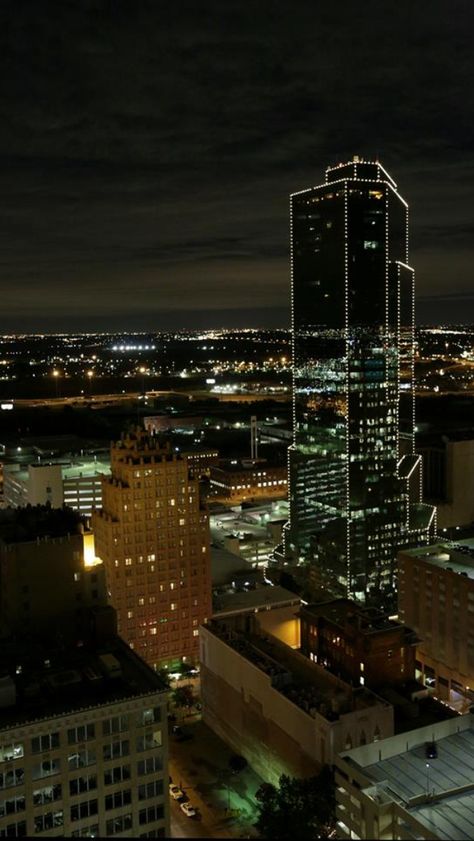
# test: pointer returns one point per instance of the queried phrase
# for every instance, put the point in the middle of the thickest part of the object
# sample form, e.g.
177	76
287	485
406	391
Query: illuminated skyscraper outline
352	302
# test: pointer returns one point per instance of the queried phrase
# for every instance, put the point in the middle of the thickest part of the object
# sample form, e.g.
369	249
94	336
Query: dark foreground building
355	480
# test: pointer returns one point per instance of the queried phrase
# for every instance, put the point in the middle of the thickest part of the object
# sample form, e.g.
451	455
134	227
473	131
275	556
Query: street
225	801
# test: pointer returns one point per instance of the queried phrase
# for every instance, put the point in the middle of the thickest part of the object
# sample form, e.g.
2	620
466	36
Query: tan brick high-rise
153	536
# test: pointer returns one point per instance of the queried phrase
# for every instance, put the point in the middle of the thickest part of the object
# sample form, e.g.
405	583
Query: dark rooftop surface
344	612
52	681
304	683
21	525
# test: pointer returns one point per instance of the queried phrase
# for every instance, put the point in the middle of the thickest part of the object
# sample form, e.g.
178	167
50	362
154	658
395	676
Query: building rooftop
252	600
53	681
305	684
438	792
70	469
23	525
455	557
345	612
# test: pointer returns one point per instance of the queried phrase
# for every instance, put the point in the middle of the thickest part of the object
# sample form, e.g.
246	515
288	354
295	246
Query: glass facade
355	481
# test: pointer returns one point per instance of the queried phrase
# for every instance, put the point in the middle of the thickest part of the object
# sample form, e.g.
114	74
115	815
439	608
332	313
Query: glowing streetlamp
56	376
90	375
142	370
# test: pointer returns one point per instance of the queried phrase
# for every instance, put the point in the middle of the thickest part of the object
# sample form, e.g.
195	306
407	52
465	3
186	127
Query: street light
56	380
90	375
142	370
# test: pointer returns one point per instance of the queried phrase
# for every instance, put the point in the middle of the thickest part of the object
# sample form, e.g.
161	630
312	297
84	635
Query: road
96	400
225	801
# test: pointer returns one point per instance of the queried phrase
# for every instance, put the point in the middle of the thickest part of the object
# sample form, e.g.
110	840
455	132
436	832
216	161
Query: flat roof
22	525
74	680
407	776
251	600
305	684
86	468
452	556
344	612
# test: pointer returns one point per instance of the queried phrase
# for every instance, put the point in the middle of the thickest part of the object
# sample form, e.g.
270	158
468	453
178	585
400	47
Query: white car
175	792
188	810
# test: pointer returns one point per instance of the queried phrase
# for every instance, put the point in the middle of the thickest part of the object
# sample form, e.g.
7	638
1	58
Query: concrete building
76	482
415	785
153	536
436	598
284	713
234	482
47	569
83	727
83	743
361	645
448	478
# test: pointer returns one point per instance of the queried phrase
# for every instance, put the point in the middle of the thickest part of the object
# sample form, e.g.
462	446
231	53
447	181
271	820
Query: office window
86	832
12	805
150	716
120	824
149	765
11	751
50	820
81	759
41	744
84	809
82	784
115	725
116	749
14	777
118	799
149	740
153	789
151	814
117	774
47	794
46	768
14	830
80	734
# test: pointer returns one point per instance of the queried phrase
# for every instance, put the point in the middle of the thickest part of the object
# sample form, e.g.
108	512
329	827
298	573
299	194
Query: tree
297	808
237	763
183	696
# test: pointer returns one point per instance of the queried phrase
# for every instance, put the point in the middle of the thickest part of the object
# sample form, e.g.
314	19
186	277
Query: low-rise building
76	482
360	644
436	598
414	785
234	481
284	713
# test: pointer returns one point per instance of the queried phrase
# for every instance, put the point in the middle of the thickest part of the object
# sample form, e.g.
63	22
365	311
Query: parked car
180	734
431	750
188	810
175	792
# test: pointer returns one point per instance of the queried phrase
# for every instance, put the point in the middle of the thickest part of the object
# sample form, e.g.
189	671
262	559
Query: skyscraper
355	480
153	536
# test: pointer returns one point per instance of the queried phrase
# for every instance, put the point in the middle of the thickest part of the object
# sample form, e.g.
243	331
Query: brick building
361	645
153	536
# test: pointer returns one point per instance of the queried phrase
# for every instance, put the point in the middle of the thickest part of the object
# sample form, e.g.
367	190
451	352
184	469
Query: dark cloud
148	149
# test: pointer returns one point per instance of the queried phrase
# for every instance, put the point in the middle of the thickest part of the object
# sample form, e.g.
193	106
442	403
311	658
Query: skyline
147	160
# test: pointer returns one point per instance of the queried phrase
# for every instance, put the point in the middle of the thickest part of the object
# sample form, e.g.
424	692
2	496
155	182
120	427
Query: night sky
148	149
